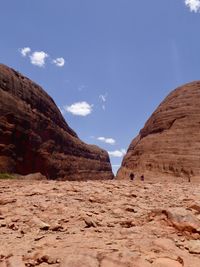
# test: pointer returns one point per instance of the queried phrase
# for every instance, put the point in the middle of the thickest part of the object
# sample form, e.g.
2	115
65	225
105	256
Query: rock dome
34	136
169	143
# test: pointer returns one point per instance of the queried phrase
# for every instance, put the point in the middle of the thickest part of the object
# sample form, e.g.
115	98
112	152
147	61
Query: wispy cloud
117	153
81	87
60	62
25	51
194	5
116	165
103	99
39	58
79	108
110	141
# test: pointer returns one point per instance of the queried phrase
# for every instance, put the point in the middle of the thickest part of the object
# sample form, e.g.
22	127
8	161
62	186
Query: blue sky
106	63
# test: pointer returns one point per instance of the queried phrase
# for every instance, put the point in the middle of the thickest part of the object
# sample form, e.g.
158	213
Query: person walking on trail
142	178
132	176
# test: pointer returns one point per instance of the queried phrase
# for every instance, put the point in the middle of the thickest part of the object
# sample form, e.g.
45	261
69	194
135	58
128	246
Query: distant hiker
132	176
142	178
189	179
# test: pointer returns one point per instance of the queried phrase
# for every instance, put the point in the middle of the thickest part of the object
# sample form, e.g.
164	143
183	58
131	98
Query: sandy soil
99	224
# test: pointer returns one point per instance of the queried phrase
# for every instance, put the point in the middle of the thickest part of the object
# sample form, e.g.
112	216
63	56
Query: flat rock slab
15	262
163	262
79	260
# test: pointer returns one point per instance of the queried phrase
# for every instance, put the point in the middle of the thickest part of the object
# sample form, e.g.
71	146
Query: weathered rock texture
34	137
99	224
169	143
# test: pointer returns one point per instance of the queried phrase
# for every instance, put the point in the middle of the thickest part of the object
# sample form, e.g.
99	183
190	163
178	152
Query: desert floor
99	224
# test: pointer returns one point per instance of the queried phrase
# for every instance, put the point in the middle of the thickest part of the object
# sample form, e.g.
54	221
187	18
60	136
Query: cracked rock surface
99	224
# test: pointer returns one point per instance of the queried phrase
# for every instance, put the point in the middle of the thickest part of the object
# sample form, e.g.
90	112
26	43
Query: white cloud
117	153
79	108
38	58
110	141
194	5
103	99
24	51
59	62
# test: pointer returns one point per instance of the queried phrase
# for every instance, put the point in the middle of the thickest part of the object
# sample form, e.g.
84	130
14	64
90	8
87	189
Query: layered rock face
169	143
34	137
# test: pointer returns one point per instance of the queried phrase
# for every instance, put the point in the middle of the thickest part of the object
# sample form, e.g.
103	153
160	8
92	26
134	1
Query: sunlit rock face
169	143
34	136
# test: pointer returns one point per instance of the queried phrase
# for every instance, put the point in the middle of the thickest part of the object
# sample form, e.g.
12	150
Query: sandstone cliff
34	137
169	143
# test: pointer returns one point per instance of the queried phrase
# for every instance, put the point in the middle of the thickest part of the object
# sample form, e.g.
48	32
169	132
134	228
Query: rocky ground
99	224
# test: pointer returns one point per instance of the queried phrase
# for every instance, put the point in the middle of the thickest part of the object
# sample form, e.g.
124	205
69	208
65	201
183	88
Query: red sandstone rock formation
169	143
34	136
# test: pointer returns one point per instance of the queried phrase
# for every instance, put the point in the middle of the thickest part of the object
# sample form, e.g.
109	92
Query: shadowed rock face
169	143
34	137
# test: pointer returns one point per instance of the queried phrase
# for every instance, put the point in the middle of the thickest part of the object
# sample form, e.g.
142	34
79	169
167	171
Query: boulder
32	176
182	219
193	246
169	143
35	138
